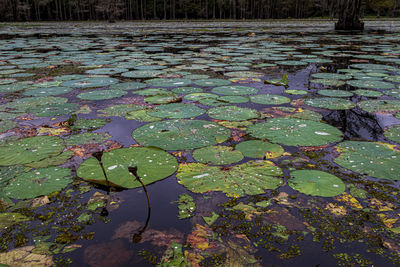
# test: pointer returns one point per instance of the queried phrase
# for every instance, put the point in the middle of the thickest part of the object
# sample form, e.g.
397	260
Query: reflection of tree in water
356	124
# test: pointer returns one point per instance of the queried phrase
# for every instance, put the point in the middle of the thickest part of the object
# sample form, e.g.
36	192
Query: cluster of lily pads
217	113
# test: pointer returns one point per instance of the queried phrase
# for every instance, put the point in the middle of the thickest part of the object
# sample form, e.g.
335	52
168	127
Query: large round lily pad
374	159
235	90
101	94
180	134
373	106
316	183
152	164
296	132
393	133
212	82
267	99
250	178
46	91
176	111
162	82
259	149
335	93
370	84
233	113
38	183
333	103
218	155
54	109
90	82
30	149
163	98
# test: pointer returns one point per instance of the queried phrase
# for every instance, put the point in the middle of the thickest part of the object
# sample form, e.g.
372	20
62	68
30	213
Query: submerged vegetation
255	145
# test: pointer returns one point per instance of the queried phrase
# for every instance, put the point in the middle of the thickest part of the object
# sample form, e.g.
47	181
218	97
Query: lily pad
370	84
233	113
176	111
30	149
162	82
90	82
332	103
186	206
267	99
367	93
393	133
89	124
373	106
101	94
374	159
10	218
251	178
259	149
163	98
120	110
218	155
235	90
53	161
38	183
153	165
46	91
335	93
212	82
296	132
316	183
181	134
128	86
187	90
54	110
86	138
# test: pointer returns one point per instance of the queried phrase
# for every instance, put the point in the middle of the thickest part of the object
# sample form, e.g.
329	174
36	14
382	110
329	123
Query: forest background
67	10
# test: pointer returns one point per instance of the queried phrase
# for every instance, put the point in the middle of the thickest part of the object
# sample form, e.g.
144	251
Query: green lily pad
163	98
296	132
251	178
23	104
180	134
30	149
187	90
393	133
329	82
374	159
89	124
267	99
335	93
199	96
316	183
106	71
128	86
86	138
120	110
218	155
141	116
367	93
38	183
212	82
380	105
332	76
332	103
101	94
90	82
291	63
151	91
162	82
141	74
153	165
46	91
244	74
53	161
233	113
295	92
282	82
370	84
233	99
176	111
54	110
10	218
7	125
259	149
235	90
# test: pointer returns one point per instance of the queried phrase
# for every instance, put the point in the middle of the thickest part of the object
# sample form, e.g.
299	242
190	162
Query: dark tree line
36	10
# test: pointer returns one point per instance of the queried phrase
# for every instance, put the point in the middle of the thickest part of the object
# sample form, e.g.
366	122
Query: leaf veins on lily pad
218	155
251	178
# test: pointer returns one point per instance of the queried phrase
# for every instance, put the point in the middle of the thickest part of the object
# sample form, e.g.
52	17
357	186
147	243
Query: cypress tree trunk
349	14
